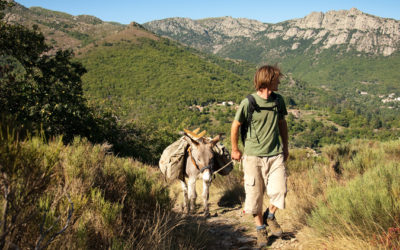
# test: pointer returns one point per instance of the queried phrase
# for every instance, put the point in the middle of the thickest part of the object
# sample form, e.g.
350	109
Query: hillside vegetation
151	85
61	191
347	58
157	82
66	122
347	197
81	196
61	29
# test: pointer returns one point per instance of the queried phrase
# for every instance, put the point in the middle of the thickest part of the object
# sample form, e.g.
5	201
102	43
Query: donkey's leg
206	185
185	204
192	193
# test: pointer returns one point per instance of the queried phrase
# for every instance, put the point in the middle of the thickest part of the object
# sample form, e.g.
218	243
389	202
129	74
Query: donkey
199	161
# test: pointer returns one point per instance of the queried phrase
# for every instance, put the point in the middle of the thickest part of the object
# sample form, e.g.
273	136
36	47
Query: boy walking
264	155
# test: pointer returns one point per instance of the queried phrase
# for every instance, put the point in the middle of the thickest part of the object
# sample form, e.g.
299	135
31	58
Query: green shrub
114	199
302	159
30	197
367	205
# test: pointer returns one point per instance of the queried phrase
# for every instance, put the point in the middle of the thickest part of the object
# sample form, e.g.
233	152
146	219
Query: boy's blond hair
265	75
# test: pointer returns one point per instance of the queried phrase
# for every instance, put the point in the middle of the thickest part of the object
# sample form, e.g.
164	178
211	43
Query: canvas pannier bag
221	158
173	158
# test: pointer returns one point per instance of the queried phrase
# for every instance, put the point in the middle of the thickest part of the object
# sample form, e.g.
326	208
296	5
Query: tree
39	86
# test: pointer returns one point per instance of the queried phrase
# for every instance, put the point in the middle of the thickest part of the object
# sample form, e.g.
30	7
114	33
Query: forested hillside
342	63
159	82
350	57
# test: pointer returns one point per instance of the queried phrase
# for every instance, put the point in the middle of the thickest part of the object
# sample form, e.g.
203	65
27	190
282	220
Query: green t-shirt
263	137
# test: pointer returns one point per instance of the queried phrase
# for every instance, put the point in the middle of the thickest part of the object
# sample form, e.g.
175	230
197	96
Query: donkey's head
201	150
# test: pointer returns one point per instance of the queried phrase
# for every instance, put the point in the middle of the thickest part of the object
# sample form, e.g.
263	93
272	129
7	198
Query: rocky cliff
352	29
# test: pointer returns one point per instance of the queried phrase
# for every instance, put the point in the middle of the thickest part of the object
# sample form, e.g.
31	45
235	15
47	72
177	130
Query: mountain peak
352	19
355	11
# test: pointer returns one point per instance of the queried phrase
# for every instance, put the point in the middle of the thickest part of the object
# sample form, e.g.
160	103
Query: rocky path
233	230
230	228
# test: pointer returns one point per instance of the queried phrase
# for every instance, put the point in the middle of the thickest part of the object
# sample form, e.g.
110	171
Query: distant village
391	98
203	106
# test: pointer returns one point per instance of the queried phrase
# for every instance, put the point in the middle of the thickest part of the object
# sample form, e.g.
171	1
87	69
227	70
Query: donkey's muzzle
207	175
206	167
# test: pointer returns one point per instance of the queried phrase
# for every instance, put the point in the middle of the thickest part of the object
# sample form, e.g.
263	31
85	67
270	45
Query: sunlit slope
153	79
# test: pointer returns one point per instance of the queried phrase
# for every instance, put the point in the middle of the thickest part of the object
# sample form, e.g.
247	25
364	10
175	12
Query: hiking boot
272	224
262	237
275	228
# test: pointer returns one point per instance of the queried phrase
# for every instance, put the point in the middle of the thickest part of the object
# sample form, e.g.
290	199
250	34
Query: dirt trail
230	228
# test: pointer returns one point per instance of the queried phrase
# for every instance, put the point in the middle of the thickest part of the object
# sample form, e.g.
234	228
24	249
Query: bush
347	194
367	205
103	201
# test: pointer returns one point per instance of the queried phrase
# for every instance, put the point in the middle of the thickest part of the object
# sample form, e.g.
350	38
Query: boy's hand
236	155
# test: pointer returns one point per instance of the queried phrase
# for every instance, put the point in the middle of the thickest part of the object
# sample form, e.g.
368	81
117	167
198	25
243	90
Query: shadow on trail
221	232
286	236
232	197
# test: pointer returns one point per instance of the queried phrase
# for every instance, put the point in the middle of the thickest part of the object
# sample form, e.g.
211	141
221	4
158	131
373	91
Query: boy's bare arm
236	154
283	132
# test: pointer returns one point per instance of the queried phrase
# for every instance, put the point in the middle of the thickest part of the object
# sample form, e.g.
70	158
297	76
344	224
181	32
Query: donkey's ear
193	134
190	140
215	140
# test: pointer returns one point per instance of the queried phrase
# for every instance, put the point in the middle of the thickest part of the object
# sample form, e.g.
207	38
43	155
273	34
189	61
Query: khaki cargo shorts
260	174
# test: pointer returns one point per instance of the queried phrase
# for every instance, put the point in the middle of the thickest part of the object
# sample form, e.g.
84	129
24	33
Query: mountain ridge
354	29
62	30
361	32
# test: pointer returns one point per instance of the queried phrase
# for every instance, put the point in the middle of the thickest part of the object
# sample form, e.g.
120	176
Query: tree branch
43	234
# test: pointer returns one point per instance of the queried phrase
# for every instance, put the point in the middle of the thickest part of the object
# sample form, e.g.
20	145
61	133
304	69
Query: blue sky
141	11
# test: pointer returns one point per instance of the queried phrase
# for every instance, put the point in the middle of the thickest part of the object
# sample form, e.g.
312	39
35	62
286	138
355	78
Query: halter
195	164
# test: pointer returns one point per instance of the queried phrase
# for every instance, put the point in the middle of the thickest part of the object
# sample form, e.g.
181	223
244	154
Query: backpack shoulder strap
252	105
250	110
275	97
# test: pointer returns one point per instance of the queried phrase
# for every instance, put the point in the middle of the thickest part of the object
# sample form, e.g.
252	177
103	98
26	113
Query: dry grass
169	230
310	240
118	203
359	173
345	199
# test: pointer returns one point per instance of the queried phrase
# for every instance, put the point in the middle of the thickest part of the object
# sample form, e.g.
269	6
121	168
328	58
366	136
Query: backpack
172	159
253	106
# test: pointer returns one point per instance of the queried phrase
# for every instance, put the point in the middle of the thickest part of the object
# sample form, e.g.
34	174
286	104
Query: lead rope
191	157
223	167
213	173
195	164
